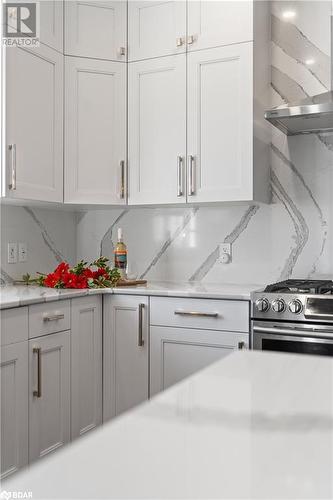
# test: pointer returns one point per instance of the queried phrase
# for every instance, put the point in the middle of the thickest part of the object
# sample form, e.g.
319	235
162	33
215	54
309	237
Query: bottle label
120	260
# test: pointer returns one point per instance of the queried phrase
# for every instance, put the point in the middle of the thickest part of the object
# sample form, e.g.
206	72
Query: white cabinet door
14	407
86	364
49	393
96	29
212	23
157	130
220	124
156	28
176	353
51	23
125	353
34	118
95	131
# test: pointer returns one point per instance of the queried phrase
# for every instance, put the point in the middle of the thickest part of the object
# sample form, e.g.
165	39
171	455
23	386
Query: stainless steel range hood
310	115
313	114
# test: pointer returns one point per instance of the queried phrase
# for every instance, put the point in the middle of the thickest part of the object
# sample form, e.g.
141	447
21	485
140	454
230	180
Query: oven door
288	337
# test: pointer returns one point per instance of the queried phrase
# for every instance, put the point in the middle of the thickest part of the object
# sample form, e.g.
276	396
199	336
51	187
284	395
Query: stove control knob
262	305
295	306
278	305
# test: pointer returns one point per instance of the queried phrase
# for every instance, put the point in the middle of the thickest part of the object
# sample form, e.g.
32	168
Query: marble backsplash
291	237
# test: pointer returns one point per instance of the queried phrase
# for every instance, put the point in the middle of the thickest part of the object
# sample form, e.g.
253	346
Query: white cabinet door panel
14	407
125	362
157	129
51	23
220	123
86	365
176	353
95	29
34	119
49	414
95	130
156	28
213	23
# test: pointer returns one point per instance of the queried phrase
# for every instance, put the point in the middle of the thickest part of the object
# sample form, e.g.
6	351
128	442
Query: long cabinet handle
122	179
12	150
191	180
180	188
53	317
197	313
38	393
140	337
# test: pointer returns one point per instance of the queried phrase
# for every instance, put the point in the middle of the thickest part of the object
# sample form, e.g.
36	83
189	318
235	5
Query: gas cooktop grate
314	287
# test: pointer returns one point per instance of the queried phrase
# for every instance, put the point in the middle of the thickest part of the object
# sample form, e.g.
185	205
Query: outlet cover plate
12	253
22	252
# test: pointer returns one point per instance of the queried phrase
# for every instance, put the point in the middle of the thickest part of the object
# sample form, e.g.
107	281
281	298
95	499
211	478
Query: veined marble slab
254	425
22	295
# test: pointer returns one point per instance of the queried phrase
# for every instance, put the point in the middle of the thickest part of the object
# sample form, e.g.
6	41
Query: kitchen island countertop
253	425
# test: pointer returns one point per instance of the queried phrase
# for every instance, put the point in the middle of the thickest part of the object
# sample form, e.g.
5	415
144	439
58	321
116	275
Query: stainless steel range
294	316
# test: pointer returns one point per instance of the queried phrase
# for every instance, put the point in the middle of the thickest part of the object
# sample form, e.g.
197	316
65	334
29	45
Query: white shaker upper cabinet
157	130
51	23
156	28
220	124
95	131
96	29
34	119
215	23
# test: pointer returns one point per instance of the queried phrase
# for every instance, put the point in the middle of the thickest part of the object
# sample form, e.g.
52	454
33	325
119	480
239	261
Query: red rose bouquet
95	275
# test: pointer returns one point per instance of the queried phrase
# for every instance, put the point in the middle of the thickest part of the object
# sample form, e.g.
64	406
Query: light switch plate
22	252
12	253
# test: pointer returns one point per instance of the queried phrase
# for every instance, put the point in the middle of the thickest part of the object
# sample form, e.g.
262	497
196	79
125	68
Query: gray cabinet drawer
205	314
49	318
14	325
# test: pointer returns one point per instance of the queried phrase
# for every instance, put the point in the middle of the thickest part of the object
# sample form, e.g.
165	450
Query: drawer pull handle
196	313
38	393
140	338
241	345
54	317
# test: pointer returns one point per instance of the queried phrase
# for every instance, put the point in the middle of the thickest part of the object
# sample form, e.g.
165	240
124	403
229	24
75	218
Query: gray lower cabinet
14	407
86	364
125	353
49	393
176	353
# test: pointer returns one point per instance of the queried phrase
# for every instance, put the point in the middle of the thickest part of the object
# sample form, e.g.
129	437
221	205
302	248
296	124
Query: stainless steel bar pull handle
140	338
53	317
191	180
12	150
38	392
180	190
122	179
197	313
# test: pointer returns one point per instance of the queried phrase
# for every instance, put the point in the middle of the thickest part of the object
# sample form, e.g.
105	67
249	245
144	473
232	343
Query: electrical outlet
22	252
12	253
225	253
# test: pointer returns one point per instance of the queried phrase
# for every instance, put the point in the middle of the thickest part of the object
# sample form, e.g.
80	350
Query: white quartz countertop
21	295
253	425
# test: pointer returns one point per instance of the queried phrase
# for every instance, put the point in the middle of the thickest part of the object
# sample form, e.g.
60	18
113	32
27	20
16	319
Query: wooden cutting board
131	282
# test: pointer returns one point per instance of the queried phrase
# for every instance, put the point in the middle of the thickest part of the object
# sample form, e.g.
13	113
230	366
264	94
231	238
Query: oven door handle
320	332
